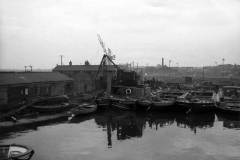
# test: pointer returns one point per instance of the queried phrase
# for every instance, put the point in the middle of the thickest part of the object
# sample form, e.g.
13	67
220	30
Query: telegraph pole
203	73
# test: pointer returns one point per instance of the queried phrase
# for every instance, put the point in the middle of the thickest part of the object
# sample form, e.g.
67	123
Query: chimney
70	63
162	62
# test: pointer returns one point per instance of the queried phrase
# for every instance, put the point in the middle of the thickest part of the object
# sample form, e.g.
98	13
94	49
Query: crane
106	61
107	58
102	44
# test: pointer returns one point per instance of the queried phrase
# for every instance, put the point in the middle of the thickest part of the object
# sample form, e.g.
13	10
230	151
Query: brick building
84	76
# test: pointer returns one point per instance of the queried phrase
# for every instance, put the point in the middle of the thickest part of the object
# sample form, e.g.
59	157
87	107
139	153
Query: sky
187	32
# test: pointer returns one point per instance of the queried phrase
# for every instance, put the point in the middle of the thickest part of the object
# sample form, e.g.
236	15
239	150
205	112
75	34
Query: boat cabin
230	92
199	94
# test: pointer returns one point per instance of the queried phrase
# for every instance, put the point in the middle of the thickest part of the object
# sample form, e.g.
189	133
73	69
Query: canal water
118	135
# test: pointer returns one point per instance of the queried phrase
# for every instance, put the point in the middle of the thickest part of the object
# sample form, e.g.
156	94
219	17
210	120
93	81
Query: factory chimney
162	62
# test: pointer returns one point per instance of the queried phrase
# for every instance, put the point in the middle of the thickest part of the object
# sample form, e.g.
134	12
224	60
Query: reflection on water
6	132
130	135
131	124
126	125
229	121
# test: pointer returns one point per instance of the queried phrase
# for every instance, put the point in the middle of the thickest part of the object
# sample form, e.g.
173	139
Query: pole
203	73
61	56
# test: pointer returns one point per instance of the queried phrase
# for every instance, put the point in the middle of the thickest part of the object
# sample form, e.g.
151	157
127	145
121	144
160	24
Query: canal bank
34	119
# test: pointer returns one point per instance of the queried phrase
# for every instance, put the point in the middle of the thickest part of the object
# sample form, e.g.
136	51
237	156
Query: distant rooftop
231	87
80	68
10	78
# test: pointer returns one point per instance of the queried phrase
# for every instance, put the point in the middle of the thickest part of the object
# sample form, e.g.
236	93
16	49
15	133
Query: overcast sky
189	32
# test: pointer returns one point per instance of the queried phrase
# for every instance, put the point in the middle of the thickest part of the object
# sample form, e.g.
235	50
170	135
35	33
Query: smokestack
61	56
162	62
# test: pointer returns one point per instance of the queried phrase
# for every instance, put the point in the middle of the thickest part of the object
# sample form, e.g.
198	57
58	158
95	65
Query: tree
87	63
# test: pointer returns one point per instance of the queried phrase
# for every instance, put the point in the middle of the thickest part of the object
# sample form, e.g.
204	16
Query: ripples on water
132	136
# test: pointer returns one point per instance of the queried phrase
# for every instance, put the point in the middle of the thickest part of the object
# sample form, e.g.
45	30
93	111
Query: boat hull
120	106
143	105
51	108
182	106
103	103
52	100
15	152
83	110
124	104
228	107
201	107
51	104
163	105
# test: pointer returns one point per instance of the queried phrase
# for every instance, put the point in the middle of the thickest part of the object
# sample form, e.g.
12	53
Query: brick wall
84	81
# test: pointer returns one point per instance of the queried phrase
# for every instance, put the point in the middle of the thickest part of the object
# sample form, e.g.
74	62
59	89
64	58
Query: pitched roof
80	68
8	78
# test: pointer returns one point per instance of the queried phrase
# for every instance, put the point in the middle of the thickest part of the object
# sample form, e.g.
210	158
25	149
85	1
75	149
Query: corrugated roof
8	78
80	68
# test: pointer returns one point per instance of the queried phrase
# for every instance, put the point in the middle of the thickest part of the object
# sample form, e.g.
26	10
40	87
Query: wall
84	81
3	95
57	89
16	94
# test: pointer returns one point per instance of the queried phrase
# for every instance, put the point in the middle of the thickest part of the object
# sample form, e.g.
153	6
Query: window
21	91
238	91
26	91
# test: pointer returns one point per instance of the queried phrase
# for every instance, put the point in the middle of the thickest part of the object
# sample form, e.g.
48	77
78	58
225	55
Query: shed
18	86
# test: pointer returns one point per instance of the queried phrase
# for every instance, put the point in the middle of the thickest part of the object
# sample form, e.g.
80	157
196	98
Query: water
131	136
